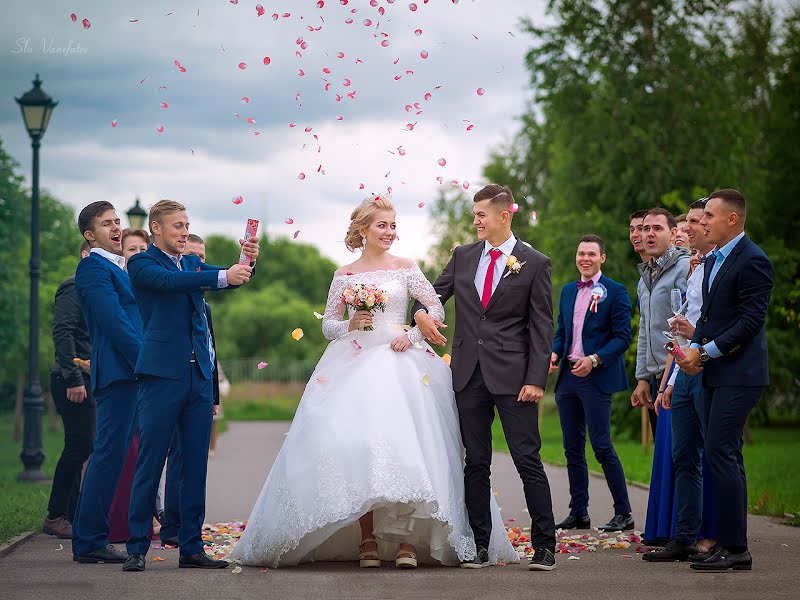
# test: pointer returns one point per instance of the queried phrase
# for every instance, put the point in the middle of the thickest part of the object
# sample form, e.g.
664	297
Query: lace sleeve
332	324
421	289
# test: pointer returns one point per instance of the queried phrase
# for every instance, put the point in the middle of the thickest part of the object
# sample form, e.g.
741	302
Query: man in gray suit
501	356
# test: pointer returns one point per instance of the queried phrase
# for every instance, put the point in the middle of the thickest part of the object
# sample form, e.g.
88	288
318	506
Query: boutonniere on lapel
197	269
599	293
514	266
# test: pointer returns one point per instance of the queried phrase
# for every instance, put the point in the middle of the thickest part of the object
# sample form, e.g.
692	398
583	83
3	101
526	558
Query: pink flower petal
442	162
346	83
340	55
301	176
466	185
418	32
74	17
160	129
164	105
245	100
385	43
114	123
237	200
262	364
470	127
242	65
361	186
289	221
420	205
251	120
267	60
412	7
480	91
259	10
424	54
86	23
301	73
513	208
295	234
427	96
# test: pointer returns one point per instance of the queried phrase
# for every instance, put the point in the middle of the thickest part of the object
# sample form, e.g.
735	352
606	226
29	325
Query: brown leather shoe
60	527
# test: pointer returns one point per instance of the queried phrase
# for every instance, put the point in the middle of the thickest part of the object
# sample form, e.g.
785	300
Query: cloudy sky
309	147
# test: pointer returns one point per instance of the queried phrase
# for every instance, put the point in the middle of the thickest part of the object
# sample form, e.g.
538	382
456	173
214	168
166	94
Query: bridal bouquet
362	296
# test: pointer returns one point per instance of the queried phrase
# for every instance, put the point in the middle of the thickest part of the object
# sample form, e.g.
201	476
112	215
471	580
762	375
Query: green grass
24	505
773	475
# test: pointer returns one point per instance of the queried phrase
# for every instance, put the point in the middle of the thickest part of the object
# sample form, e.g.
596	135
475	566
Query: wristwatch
594	361
704	356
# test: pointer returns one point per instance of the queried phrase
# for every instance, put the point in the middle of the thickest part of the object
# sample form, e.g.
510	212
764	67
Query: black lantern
136	216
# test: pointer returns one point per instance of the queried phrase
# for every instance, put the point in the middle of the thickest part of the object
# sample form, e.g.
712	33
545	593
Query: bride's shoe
368	559
406	559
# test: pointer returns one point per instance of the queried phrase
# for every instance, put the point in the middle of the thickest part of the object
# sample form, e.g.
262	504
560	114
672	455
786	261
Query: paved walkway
39	569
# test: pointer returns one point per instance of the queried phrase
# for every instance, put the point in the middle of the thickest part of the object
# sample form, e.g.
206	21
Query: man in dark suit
594	331
71	389
730	346
171	521
115	329
501	351
175	369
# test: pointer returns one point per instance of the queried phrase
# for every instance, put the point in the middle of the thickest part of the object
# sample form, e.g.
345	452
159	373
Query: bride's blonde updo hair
362	218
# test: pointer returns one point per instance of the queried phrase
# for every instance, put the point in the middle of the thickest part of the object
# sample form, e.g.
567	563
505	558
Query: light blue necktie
718	260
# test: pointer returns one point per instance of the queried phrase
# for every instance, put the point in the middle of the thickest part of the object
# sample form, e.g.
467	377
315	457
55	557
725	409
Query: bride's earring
364	241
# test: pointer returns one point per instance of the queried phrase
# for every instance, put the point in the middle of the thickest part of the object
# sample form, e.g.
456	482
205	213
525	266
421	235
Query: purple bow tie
585	284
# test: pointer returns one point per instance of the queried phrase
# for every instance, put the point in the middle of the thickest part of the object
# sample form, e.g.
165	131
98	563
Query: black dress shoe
201	560
481	560
573	522
723	560
701	556
543	560
674	551
619	523
106	554
134	563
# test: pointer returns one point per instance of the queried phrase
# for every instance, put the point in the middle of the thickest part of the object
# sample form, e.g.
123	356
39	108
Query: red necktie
494	253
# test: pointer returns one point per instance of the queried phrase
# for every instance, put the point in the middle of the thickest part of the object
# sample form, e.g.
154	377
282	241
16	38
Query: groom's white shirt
114	258
506	248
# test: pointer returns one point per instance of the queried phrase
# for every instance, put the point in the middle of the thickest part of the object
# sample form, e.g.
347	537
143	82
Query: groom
175	370
501	355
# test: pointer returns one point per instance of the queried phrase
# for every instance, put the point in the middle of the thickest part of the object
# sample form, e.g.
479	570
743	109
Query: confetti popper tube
675	350
250	232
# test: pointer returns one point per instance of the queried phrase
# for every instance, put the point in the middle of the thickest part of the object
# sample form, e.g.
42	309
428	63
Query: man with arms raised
175	370
730	346
501	354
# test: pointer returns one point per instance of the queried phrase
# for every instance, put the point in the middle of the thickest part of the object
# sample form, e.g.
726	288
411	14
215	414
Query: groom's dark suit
733	318
496	351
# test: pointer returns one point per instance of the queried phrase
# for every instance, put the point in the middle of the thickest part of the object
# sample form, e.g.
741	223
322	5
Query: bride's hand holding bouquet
364	299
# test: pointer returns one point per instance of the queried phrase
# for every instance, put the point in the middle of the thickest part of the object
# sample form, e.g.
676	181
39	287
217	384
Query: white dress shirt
110	256
507	248
694	303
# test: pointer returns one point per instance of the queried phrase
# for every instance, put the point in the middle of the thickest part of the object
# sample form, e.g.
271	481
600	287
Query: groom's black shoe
701	556
724	560
201	560
170	541
134	563
573	522
674	551
622	522
481	560
106	554
543	560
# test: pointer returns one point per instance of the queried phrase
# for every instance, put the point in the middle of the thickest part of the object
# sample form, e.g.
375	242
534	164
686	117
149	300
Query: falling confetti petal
160	129
157	559
418	32
426	379
573	558
470	127
262	365
245	100
322	380
420	205
481	91
74	17
251	120
424	54
301	176
513	208
114	123
164	105
259	10
242	65
267	60
295	234
446	358
86	23
236	570
319	316
356	345
289	221
60	547
442	162
297	334
237	200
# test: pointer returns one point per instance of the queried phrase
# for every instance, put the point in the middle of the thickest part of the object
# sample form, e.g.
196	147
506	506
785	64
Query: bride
372	466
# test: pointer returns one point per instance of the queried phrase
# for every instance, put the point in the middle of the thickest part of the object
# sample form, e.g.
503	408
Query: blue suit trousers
167	406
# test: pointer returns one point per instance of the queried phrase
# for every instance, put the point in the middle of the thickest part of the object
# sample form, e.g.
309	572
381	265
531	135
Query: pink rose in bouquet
362	296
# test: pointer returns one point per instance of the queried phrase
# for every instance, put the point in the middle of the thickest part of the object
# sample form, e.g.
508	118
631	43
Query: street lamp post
136	216
36	110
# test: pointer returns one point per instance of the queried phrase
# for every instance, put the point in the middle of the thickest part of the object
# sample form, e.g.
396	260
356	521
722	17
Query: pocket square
197	269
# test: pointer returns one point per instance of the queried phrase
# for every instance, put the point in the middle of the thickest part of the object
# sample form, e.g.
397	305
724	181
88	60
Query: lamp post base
33	476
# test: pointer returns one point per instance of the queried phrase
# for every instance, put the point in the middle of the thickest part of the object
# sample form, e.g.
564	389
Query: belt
193	358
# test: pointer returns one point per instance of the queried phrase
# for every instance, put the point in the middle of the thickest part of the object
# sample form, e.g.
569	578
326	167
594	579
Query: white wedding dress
375	430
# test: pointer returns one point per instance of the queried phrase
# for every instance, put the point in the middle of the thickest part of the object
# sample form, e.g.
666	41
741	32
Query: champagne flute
677	305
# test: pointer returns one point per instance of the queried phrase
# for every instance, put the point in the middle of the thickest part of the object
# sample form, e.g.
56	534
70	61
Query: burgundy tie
494	253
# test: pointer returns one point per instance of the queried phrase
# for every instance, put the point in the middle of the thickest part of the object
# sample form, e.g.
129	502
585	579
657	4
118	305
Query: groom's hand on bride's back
238	274
429	327
530	393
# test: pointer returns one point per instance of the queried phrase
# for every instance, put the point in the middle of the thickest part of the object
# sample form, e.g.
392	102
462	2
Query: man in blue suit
730	347
115	329
593	332
175	370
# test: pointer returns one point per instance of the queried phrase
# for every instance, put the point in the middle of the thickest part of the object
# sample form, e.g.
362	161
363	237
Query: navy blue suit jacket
174	312
733	316
606	333
112	317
